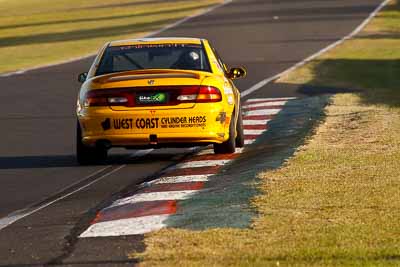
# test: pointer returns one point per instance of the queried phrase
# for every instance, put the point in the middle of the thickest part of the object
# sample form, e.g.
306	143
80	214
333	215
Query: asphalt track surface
38	124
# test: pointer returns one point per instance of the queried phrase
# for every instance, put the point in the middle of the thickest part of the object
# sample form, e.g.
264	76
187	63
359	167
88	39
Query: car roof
164	40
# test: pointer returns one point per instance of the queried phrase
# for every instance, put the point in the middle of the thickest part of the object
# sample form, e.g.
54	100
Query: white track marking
154	196
265	104
264	82
15	216
182	179
239	150
92	55
255	122
208	151
254	132
262	112
269	100
200	163
132	226
8	220
249	141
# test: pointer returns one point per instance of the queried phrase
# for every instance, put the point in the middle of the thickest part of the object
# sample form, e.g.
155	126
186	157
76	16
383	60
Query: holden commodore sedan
158	92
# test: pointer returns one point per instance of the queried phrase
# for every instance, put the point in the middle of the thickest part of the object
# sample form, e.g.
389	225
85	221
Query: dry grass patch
37	32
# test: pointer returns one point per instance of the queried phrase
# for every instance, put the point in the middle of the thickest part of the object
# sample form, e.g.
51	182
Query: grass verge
337	201
38	32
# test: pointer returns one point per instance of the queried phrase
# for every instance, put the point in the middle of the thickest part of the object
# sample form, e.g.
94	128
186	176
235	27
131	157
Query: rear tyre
239	130
227	147
88	155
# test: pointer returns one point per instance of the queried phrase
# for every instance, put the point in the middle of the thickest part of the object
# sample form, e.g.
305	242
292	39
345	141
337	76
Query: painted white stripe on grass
132	226
92	55
255	122
154	196
264	82
254	132
262	112
249	141
265	104
182	179
200	163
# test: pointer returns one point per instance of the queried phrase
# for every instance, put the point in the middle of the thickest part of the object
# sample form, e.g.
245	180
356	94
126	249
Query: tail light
109	97
196	94
127	96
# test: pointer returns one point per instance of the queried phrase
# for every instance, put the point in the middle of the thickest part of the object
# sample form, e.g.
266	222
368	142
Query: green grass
337	201
38	32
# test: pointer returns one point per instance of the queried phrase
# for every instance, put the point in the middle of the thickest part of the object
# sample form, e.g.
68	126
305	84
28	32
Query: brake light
175	94
209	94
97	98
202	94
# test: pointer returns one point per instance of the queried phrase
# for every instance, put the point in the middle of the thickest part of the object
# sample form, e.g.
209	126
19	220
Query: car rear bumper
203	124
132	140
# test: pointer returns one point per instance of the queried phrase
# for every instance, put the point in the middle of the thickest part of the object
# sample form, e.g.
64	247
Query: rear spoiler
153	76
145	74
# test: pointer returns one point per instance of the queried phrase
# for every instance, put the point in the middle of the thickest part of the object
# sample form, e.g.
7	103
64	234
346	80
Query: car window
219	60
151	56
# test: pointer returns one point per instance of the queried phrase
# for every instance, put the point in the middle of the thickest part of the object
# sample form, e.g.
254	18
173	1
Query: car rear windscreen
153	56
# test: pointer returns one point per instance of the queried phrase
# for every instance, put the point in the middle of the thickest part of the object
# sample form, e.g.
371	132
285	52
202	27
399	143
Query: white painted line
239	150
265	104
249	141
200	163
254	132
154	196
255	122
264	82
269	100
8	220
182	179
92	55
189	18
132	226
209	151
15	216
262	112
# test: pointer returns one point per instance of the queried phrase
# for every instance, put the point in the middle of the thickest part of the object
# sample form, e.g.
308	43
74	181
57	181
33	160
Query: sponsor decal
155	123
123	124
152	98
184	122
147	123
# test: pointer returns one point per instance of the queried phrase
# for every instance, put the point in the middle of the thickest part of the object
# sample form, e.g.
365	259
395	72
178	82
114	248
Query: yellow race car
158	92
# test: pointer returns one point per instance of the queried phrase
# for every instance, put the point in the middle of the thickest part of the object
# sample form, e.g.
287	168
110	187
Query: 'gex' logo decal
106	124
157	98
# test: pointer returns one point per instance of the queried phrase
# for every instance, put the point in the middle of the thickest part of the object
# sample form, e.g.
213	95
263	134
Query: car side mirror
82	77
236	73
